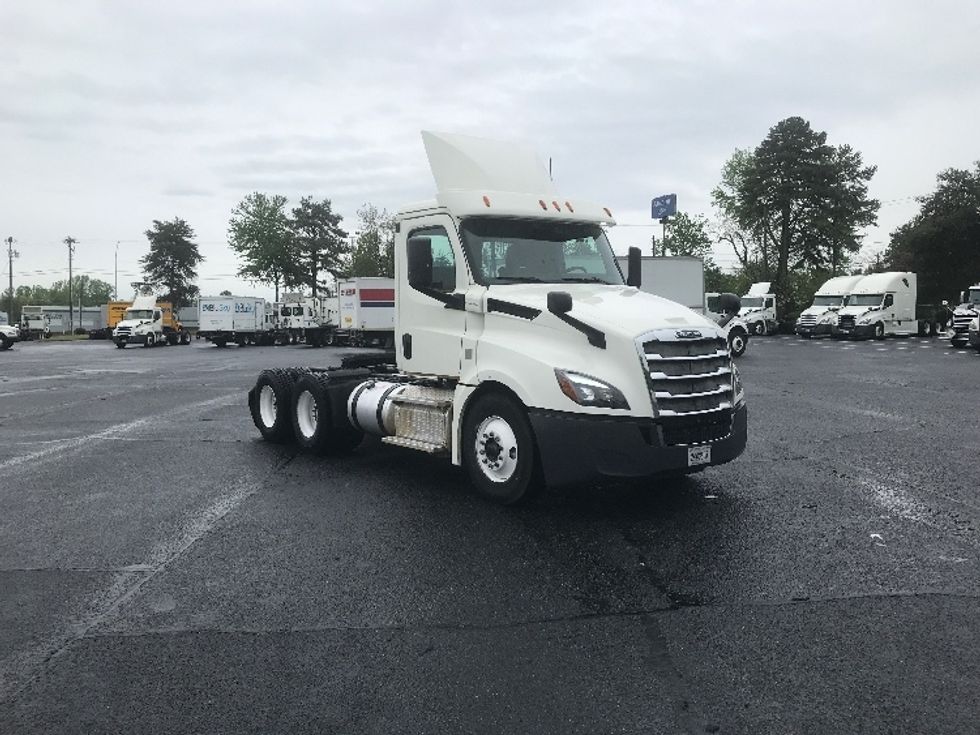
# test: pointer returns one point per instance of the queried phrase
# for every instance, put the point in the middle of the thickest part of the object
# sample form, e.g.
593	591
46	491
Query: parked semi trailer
520	352
758	310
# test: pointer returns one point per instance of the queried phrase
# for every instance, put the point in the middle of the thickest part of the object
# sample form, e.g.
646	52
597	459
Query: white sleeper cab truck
758	310
963	315
520	353
149	323
820	317
881	305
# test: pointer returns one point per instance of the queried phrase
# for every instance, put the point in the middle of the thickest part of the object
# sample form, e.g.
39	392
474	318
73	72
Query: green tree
320	245
374	246
753	252
942	242
260	234
688	235
172	261
801	199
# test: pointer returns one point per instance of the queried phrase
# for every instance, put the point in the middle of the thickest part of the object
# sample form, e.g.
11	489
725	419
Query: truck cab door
429	318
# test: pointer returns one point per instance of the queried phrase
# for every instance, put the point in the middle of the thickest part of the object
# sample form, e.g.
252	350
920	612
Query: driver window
443	259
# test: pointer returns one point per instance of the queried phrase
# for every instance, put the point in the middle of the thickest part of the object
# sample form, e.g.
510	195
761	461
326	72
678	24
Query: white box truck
882	305
238	319
819	318
520	352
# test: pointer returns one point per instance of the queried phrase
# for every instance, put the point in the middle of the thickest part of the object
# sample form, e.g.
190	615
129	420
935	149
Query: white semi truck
520	352
149	323
9	334
967	312
759	309
883	305
820	317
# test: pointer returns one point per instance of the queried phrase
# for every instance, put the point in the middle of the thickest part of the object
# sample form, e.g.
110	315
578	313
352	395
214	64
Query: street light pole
70	242
11	254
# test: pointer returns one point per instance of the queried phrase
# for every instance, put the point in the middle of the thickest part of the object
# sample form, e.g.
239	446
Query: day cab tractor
521	352
149	323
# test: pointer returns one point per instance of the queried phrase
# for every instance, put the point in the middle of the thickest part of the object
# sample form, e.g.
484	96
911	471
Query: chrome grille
847	321
689	377
808	320
961	322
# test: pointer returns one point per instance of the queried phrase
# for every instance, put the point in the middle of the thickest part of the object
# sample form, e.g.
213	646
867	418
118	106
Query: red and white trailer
367	311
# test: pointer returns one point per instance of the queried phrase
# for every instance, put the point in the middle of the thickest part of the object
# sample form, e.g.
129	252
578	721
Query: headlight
828	319
737	386
868	318
588	391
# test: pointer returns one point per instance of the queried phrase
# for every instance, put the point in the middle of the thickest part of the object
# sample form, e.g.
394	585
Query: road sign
664	206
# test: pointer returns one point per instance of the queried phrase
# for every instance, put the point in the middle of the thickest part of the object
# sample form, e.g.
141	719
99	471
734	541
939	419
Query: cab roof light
543	205
486	200
606	210
556	206
569	207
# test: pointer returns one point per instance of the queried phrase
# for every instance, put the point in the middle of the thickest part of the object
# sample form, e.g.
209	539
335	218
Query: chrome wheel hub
496	449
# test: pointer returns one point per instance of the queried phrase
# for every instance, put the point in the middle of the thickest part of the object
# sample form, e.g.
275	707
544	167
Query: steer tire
270	405
517	478
313	421
879	331
5	344
738	340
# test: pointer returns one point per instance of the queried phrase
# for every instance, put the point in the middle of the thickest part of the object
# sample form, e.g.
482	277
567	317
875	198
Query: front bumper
813	330
130	339
975	339
10	338
577	448
858	331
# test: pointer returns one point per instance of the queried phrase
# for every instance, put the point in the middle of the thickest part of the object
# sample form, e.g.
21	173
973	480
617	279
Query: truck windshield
826	300
975	295
504	251
751	301
865	299
139	313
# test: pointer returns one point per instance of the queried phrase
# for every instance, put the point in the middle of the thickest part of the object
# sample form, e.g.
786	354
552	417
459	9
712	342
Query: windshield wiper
585	279
521	279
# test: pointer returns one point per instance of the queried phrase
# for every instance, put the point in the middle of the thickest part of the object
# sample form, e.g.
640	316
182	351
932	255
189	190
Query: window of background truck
516	250
443	260
975	295
825	300
751	301
865	299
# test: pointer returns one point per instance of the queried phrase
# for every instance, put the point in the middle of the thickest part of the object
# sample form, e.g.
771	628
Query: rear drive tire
270	405
499	451
313	422
738	340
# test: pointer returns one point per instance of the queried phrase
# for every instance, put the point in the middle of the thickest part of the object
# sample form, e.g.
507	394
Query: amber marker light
606	210
556	206
486	200
569	207
543	205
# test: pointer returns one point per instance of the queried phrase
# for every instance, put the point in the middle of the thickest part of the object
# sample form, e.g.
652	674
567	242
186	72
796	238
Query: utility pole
11	254
115	274
70	242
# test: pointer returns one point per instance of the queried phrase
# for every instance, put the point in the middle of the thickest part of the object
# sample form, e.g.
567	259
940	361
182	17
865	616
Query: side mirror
559	302
633	275
729	303
964	296
420	262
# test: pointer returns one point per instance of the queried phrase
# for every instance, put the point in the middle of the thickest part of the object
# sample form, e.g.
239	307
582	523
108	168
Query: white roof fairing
480	177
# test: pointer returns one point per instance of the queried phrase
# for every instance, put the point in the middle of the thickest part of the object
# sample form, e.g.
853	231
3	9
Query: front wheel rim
737	344
307	414
268	406
496	449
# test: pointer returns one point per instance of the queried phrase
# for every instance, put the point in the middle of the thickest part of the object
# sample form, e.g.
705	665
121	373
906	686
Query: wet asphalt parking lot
163	570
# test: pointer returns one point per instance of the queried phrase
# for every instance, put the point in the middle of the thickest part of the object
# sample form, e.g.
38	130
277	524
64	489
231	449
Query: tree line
793	208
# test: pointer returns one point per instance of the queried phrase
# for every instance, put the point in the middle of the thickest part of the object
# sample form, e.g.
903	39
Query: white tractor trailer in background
520	353
884	305
820	317
964	316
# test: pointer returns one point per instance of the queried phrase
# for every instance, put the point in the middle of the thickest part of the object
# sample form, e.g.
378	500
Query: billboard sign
664	206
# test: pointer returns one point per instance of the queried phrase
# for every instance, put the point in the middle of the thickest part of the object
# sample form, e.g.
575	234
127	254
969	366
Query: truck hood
749	310
967	310
614	309
815	311
132	322
857	310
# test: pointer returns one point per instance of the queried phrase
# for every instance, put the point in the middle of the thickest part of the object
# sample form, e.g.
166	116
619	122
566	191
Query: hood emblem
688	334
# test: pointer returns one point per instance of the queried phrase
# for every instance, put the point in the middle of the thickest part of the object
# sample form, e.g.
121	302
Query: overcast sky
113	114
